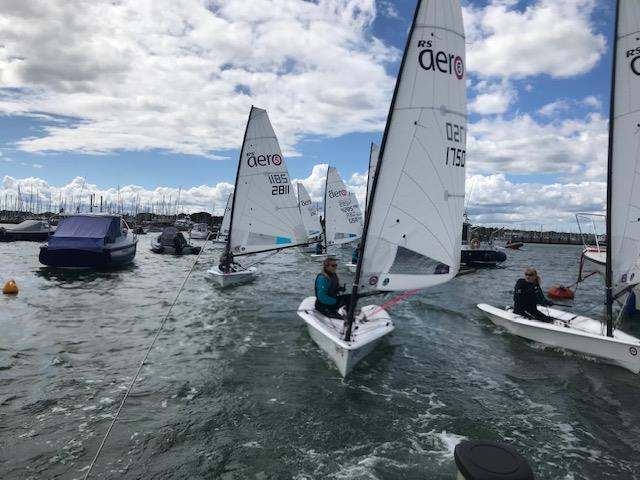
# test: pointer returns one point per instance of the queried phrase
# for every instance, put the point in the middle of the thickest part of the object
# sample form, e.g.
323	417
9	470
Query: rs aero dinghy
264	213
413	222
622	267
310	219
342	215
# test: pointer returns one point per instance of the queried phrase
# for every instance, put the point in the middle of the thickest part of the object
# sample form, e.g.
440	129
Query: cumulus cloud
181	75
492	98
493	199
554	37
40	195
575	148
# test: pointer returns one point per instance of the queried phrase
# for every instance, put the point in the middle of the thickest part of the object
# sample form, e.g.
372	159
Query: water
235	388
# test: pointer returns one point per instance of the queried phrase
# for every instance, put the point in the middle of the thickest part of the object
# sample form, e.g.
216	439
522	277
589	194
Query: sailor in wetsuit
528	295
327	287
355	254
226	264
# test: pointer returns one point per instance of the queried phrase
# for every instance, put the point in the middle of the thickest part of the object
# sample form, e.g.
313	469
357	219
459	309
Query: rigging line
135	377
262	259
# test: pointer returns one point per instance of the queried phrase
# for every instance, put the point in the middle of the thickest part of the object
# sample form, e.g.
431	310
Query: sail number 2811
455	156
279	183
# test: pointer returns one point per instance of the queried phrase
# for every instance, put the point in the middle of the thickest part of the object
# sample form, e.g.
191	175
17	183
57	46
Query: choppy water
235	388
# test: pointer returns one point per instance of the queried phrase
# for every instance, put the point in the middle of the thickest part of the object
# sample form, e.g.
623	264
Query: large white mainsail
414	227
226	219
308	212
623	205
342	216
374	152
265	213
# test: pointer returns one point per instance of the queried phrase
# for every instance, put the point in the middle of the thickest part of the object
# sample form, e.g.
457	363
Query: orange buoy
560	292
10	288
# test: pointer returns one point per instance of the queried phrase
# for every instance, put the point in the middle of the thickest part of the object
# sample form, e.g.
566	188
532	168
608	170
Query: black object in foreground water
487	460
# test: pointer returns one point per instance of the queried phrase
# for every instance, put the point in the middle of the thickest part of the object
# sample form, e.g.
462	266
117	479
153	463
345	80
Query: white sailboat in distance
226	221
599	338
342	215
310	219
374	152
413	224
264	211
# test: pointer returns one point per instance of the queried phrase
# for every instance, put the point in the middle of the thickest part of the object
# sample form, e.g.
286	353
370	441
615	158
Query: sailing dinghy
374	152
413	223
264	211
342	216
310	219
223	233
622	267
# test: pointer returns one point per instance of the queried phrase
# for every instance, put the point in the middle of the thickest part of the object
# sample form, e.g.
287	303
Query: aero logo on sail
338	193
440	61
263	160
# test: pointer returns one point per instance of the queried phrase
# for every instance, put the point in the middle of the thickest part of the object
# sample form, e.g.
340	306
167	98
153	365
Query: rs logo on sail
441	61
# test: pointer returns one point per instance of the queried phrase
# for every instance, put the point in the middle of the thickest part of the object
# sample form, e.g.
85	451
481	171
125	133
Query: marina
306	307
236	387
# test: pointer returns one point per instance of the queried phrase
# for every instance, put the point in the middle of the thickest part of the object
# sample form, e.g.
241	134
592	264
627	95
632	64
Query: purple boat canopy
85	232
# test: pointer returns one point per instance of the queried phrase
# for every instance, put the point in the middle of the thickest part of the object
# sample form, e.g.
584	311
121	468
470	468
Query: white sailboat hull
307	249
328	333
319	257
595	260
572	332
233	278
352	267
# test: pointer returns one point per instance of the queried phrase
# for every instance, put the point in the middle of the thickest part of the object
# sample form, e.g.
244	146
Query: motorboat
476	253
90	240
172	242
29	230
199	231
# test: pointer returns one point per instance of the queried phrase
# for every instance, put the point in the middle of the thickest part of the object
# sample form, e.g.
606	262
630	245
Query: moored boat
172	242
90	241
29	231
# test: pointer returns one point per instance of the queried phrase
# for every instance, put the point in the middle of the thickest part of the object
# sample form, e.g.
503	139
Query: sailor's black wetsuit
526	297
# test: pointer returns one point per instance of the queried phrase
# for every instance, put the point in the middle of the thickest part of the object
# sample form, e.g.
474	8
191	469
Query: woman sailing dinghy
413	223
264	211
580	333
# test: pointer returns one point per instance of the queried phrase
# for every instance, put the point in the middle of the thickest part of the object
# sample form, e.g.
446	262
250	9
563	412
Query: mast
235	185
609	269
353	301
324	218
369	180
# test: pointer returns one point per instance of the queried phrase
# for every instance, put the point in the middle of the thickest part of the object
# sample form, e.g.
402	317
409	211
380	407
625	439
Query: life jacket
333	286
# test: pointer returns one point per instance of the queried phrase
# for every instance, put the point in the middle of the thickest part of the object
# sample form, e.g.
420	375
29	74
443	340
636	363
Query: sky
147	98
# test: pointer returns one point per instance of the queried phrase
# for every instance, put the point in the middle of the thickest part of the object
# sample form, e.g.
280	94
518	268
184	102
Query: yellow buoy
10	288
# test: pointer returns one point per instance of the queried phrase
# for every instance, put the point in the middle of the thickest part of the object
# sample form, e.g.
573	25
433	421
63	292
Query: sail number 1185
279	183
455	156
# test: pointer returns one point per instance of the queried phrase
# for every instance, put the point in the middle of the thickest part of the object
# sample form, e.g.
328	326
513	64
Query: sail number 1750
455	156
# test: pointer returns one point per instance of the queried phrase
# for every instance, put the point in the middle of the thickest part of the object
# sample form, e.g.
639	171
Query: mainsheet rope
133	381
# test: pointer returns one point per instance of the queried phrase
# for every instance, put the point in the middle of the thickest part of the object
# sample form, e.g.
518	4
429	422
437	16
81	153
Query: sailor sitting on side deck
227	265
327	287
528	295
